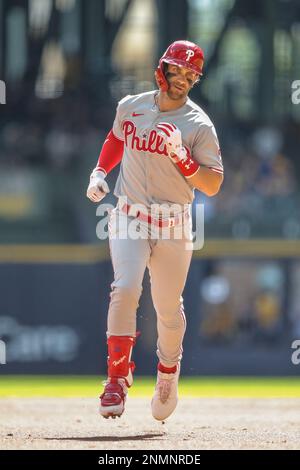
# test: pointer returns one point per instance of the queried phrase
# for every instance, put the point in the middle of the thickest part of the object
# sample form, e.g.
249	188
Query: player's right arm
110	156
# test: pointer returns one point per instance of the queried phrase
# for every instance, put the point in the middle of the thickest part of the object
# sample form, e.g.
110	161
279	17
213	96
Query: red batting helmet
183	53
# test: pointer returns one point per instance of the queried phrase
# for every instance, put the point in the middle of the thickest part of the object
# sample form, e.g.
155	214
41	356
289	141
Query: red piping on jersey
111	153
217	170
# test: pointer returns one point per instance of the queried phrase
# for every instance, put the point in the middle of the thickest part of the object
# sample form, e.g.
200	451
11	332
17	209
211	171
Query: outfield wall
241	304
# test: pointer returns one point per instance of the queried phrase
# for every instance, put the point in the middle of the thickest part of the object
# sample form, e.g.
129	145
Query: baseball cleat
165	397
112	400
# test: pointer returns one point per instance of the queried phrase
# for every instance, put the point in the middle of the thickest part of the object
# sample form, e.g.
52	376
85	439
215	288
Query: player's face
180	80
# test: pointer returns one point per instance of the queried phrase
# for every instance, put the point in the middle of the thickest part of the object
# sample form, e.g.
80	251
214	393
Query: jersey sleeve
206	149
120	113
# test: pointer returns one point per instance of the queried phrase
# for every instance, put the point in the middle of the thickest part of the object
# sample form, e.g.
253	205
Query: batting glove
98	188
173	141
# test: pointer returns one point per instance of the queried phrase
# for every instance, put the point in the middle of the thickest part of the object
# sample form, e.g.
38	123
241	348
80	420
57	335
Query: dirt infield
68	423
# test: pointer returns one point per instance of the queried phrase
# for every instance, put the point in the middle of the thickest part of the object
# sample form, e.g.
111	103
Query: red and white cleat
120	369
165	397
112	400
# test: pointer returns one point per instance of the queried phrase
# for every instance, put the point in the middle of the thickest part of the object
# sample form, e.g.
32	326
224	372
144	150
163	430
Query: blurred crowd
260	193
49	133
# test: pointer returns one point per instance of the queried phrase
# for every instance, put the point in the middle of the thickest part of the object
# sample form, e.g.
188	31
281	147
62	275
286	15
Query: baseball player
167	147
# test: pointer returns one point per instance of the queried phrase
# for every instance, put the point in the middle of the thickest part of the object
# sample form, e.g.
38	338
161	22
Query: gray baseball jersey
147	175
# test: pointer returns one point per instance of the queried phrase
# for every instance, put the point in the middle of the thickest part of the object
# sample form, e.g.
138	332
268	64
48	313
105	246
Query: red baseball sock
166	370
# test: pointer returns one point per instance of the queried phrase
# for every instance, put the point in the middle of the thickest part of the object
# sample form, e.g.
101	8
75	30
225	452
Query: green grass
90	386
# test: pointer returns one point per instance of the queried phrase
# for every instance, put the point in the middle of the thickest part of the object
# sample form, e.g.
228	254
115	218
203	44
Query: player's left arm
203	168
206	152
207	180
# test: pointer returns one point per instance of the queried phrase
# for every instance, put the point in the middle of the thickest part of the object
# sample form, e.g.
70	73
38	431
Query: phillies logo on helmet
189	54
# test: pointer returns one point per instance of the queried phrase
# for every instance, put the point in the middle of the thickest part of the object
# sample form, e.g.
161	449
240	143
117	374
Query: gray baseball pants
168	261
